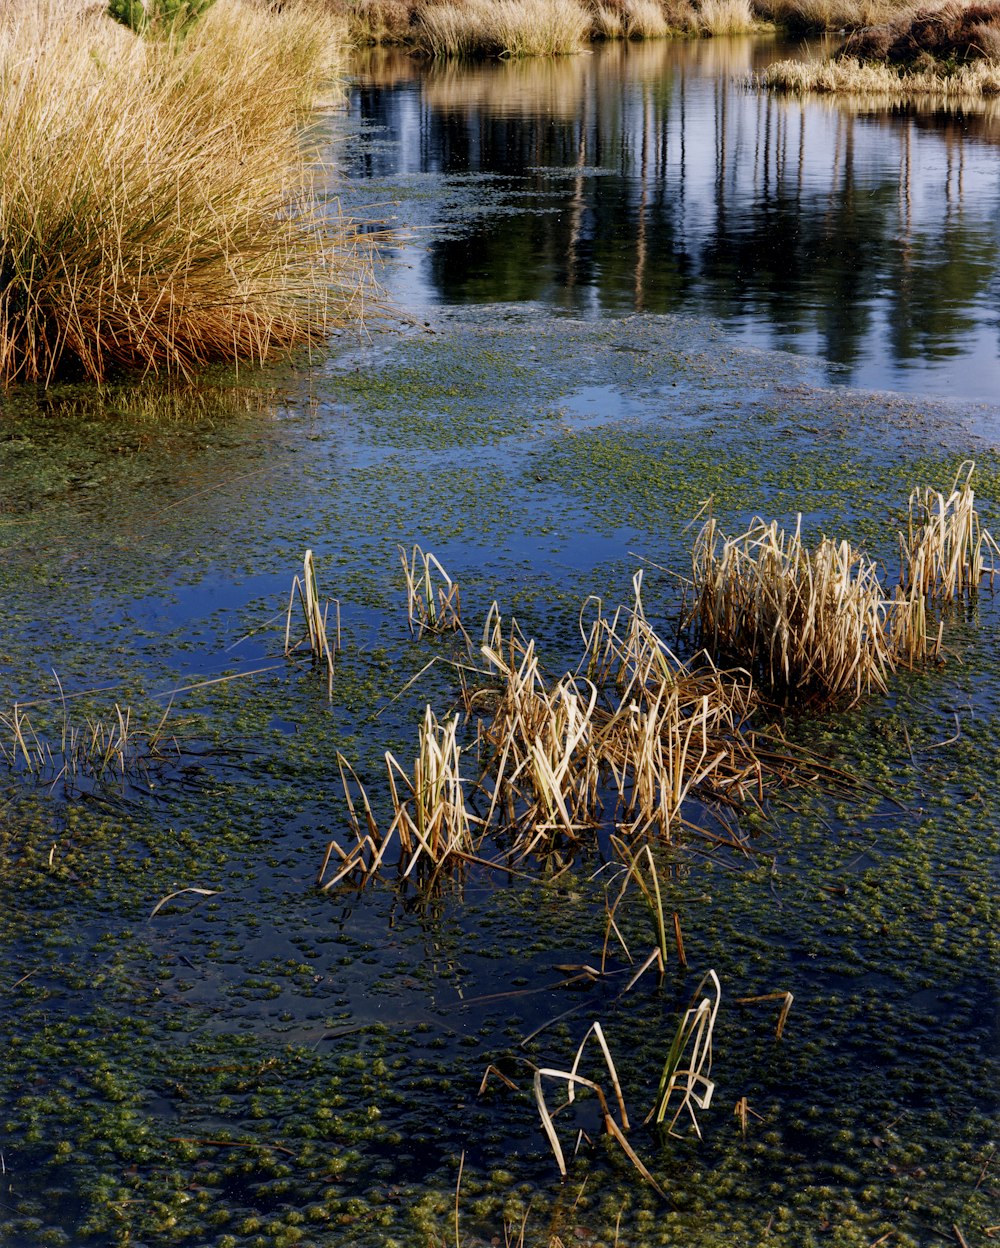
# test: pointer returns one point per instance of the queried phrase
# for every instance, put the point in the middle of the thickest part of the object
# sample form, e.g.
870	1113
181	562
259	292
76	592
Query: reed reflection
649	177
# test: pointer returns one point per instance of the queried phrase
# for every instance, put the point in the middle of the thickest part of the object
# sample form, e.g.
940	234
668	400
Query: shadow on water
650	177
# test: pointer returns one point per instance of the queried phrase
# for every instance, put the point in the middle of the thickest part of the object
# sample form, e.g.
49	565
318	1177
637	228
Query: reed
82	746
811	624
850	76
431	824
431	606
316	640
156	204
943	555
803	16
688	1066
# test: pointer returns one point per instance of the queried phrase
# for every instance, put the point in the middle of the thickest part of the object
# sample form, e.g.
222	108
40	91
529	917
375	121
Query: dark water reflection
648	177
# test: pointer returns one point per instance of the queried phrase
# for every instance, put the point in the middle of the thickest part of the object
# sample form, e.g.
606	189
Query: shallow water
649	177
260	1064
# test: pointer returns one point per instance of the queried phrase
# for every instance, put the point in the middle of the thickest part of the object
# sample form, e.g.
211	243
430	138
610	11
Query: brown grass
863	80
156	209
950	33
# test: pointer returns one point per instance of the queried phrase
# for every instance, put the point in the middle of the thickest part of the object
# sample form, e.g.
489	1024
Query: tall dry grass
848	76
501	28
156	208
725	17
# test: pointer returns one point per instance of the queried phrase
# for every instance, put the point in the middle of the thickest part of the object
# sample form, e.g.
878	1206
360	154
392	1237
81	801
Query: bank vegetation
158	205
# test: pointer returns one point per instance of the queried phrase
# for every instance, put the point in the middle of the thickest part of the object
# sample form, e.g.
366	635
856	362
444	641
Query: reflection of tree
637	182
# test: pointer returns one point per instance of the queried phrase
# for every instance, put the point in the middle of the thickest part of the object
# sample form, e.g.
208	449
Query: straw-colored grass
848	76
511	28
433	599
316	640
802	16
811	624
155	202
725	17
431	826
944	553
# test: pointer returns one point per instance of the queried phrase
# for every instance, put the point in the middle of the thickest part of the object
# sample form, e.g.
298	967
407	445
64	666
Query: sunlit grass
156	206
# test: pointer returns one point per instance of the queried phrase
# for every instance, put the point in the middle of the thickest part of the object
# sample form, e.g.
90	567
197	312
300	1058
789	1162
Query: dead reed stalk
316	639
432	607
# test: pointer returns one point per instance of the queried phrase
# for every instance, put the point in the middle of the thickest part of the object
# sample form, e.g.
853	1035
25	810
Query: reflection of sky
658	181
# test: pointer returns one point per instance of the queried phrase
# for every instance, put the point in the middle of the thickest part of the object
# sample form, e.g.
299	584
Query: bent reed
157	210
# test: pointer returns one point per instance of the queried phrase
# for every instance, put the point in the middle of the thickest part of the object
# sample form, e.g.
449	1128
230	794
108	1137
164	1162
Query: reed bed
633	736
812	625
156	202
804	16
849	76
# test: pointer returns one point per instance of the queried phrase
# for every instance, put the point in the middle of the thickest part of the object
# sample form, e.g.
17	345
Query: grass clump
156	208
501	28
949	50
811	624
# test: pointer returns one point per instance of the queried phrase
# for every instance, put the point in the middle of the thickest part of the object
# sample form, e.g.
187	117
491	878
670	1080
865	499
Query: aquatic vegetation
812	624
316	639
431	822
943	553
157	209
801	16
99	748
432	607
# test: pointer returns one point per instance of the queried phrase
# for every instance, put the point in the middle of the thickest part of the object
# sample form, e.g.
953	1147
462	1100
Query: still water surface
650	177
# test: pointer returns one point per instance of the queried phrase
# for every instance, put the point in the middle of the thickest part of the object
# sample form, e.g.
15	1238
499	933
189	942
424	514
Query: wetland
623	284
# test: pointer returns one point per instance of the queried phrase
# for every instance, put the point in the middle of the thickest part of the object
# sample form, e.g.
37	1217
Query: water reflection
647	177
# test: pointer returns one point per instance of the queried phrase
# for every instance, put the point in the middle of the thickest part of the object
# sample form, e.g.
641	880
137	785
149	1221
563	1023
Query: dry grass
512	28
811	624
315	640
803	16
943	555
863	80
431	825
155	206
725	17
950	33
433	601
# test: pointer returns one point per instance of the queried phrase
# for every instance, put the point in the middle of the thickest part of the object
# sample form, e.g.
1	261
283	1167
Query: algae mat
258	1063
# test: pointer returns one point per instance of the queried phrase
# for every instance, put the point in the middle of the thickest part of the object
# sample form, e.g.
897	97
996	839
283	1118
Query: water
649	177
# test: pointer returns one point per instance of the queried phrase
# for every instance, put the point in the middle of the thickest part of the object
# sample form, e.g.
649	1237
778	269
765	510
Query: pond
624	283
647	177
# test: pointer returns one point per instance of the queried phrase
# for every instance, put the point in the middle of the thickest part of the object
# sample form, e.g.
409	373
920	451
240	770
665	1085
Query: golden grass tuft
811	624
849	76
512	28
725	17
943	553
156	207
